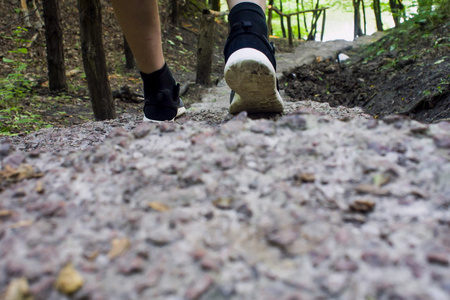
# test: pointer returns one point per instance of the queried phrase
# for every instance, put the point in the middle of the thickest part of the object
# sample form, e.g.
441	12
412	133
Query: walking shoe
162	96
163	105
250	69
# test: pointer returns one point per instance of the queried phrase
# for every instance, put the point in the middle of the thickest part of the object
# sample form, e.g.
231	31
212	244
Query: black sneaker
250	73
164	105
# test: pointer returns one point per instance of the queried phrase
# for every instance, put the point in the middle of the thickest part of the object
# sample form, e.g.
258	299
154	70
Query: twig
21	18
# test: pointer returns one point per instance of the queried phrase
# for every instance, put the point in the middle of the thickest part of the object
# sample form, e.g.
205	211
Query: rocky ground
319	203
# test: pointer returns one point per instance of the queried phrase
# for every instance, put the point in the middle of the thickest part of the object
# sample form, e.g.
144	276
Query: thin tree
357	18
55	47
283	29
215	5
175	12
94	59
377	12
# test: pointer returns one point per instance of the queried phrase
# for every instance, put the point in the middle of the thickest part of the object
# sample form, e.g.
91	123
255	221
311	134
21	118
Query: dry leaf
118	247
24	171
23	223
5	213
362	205
40	187
18	289
69	280
223	203
158	206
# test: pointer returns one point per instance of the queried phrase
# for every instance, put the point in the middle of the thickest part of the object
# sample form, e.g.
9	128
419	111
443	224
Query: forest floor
322	202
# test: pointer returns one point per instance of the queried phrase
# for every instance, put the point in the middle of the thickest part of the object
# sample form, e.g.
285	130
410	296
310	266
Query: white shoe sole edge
250	74
180	112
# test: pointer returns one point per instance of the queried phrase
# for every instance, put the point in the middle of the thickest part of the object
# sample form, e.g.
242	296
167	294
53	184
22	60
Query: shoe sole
180	112
250	74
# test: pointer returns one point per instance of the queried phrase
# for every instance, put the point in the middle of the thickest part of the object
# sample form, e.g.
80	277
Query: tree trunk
357	19
269	19
215	5
377	11
175	12
129	57
55	47
283	29
94	59
205	49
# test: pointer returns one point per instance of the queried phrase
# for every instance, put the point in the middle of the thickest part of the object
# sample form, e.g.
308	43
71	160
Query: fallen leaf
223	203
18	289
362	205
69	280
23	223
40	187
118	247
304	178
5	213
24	171
158	206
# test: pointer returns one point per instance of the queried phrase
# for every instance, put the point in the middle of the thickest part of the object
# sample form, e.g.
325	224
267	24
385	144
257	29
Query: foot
162	96
252	78
250	68
164	105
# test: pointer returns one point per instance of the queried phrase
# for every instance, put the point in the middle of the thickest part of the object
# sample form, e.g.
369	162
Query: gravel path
321	203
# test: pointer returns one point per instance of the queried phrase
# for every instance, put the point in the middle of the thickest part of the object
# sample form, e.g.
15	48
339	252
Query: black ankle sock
247	17
158	80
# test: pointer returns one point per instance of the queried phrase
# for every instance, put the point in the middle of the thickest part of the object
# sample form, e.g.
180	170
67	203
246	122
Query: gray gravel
306	207
321	203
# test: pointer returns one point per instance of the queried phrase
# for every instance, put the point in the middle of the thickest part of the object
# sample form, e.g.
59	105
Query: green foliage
14	88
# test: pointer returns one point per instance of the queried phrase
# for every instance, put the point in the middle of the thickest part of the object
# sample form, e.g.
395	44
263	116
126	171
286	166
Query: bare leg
140	23
232	3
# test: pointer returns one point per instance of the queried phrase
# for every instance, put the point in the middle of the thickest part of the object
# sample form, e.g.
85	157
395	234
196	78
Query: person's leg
261	3
139	20
250	60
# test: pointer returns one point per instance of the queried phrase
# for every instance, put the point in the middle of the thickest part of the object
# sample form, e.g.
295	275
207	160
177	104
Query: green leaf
170	42
23	50
7	60
179	38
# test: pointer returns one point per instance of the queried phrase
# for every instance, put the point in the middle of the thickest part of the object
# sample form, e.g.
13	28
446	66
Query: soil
406	72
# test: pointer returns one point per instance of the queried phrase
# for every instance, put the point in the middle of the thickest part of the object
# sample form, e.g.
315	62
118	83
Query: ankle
158	80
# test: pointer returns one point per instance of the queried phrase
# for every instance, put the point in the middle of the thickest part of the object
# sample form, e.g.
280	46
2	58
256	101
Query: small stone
371	189
69	280
128	267
344	264
199	288
293	122
372	123
14	160
143	129
438	258
282	238
354	218
167	127
362	205
375	259
263	126
208	263
442	141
